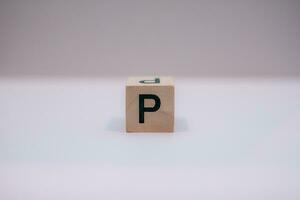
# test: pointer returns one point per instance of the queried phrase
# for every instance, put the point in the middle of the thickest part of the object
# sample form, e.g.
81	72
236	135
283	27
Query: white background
204	38
65	139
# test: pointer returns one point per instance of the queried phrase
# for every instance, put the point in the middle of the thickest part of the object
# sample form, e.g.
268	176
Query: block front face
149	106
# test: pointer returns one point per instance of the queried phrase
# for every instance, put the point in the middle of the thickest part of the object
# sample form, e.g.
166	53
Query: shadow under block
150	104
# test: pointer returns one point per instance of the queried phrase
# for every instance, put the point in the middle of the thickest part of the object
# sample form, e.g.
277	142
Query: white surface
65	139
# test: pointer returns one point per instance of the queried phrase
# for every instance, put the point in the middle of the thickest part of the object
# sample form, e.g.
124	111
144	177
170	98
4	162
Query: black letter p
143	109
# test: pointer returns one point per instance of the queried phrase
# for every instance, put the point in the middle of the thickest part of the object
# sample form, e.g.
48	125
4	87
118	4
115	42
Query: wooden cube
150	104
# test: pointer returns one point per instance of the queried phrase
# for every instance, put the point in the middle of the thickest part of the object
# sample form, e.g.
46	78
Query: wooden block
150	104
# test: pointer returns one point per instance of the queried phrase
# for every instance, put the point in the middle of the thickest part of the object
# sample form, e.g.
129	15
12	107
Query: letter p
143	109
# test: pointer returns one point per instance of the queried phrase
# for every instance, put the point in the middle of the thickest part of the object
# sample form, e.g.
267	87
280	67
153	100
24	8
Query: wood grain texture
161	120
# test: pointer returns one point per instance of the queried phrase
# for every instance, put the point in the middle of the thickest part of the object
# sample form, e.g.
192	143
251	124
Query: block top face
150	81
